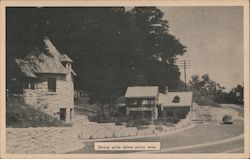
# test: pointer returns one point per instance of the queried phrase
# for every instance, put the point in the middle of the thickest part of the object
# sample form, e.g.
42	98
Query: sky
214	40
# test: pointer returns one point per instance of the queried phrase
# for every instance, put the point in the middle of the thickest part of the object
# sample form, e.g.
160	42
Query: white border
95	3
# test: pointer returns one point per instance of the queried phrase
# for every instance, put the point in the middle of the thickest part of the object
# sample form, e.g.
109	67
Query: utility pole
185	64
185	77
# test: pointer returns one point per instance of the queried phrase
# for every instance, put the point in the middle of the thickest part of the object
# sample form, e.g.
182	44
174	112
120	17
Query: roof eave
51	73
141	97
175	106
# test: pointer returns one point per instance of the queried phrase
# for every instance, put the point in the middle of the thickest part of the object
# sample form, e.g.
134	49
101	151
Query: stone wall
43	140
51	102
30	96
185	122
46	140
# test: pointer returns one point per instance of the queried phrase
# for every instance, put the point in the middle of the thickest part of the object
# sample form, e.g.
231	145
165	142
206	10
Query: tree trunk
109	112
102	110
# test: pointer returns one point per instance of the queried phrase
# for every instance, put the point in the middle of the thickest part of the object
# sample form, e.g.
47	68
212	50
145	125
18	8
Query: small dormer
176	99
66	61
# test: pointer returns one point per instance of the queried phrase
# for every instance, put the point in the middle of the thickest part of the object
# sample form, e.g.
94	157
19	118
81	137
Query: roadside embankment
210	113
47	140
42	140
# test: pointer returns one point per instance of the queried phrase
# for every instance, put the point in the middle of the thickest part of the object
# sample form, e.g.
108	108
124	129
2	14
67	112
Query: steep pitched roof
42	61
65	58
141	91
168	100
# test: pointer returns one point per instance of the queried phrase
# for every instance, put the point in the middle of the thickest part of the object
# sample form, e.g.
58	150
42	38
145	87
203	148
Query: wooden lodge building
47	81
145	102
141	102
175	105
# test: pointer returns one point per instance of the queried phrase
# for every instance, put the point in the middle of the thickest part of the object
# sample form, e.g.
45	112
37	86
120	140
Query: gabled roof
167	100
142	92
46	60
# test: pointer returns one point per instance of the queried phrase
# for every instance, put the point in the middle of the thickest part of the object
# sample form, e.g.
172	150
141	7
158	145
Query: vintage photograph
125	80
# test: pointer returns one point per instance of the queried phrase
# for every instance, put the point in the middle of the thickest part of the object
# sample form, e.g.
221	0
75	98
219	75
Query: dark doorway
70	114
63	114
160	111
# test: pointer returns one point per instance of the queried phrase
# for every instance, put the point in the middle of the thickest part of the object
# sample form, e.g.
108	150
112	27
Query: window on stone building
32	85
29	85
52	85
26	85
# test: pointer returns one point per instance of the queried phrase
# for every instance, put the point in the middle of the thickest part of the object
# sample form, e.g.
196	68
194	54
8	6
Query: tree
111	48
236	95
206	91
157	49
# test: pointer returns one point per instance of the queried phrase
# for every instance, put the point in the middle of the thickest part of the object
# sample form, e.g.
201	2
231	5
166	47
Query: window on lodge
132	102
148	102
139	102
52	85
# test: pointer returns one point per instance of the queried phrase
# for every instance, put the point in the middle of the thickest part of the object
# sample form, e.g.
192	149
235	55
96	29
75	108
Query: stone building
47	81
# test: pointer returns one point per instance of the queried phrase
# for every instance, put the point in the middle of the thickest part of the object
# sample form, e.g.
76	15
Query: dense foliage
111	48
208	92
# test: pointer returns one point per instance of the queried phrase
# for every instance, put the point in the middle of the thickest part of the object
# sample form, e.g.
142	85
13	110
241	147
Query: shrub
138	122
203	100
159	128
227	119
172	120
167	122
158	122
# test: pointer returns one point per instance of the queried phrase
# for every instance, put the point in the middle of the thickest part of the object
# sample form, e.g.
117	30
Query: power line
184	64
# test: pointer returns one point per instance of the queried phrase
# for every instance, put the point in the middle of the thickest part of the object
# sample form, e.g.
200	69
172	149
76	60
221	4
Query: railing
140	108
141	105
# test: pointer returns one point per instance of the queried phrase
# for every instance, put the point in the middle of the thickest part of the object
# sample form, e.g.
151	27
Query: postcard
124	79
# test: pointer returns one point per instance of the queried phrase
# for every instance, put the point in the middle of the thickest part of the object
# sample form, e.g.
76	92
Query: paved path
234	146
199	139
204	138
214	144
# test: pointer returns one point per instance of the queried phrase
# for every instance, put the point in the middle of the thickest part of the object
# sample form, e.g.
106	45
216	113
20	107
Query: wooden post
109	112
185	75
